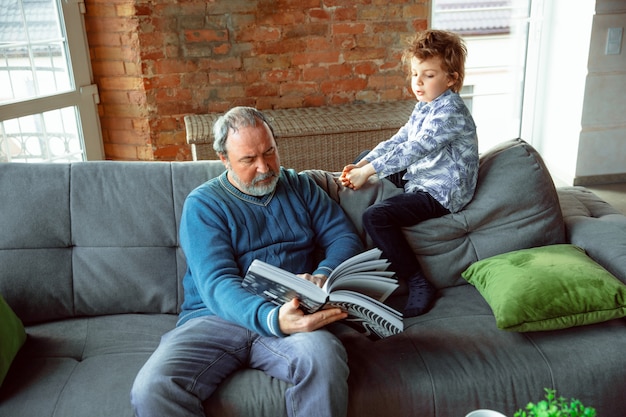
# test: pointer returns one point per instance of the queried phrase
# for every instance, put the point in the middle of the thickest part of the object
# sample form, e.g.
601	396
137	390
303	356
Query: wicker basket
325	138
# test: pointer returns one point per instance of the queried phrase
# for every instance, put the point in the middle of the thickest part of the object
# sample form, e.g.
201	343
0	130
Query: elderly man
255	210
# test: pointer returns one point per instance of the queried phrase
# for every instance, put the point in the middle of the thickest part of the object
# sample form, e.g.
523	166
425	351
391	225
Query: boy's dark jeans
384	222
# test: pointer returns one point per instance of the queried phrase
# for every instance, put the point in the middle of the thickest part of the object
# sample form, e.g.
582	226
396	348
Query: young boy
434	157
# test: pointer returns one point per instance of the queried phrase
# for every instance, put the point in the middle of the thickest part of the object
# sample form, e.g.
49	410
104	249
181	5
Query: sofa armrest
596	226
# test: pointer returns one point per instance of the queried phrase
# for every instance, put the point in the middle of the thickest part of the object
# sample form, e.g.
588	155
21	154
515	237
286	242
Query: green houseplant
556	407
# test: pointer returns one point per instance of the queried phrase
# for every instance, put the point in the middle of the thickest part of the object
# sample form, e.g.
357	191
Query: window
47	100
496	35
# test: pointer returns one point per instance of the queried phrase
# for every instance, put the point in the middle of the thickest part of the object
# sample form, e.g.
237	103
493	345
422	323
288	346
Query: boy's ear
452	78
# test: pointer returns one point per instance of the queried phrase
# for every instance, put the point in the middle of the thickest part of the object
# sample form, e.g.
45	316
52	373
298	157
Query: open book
358	286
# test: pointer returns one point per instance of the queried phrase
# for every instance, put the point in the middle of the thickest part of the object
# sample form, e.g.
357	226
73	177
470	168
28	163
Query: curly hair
448	46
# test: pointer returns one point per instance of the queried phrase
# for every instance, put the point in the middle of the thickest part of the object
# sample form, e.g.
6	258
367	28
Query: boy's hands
354	176
293	320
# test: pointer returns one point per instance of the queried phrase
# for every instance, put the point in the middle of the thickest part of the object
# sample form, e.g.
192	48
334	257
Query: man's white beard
252	188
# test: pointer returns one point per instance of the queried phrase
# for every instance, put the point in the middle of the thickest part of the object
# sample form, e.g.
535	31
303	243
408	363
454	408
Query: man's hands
293	320
317	279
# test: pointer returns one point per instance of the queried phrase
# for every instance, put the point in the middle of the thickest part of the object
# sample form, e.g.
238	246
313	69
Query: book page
374	319
365	273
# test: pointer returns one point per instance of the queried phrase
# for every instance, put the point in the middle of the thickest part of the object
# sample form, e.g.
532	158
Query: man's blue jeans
193	359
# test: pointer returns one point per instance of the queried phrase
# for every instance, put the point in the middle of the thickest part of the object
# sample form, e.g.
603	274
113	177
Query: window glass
33	51
46	137
496	33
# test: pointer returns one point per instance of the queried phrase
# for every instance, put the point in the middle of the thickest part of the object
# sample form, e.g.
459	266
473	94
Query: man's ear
224	159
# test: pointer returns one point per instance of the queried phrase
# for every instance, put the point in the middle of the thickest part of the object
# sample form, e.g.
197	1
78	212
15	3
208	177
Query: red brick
301	89
121	83
262	89
108	67
280	75
319	14
391	27
346	13
118	97
363	54
366	68
162	81
314	74
125	10
314	101
315	58
222	49
169	66
348	28
418	10
225	64
344	42
318	43
283	17
258	34
124	110
267	62
120	152
165	123
343	85
288	102
341	70
419	24
279	48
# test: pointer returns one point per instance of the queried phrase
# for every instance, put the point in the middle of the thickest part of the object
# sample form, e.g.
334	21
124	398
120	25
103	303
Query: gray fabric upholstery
90	261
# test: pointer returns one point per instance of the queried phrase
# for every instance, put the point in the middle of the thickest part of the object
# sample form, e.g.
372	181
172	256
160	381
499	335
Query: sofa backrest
94	238
99	238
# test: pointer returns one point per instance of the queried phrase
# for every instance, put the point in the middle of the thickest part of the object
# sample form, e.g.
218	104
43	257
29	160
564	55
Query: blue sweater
223	230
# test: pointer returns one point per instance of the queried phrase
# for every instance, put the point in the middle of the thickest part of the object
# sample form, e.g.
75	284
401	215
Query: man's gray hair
236	118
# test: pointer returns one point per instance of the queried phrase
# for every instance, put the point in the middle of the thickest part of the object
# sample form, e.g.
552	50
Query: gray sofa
90	263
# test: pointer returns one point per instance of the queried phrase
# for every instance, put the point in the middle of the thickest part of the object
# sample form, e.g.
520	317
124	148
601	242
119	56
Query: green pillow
546	288
12	337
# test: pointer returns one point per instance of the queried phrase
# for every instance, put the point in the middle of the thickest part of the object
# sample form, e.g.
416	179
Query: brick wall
157	60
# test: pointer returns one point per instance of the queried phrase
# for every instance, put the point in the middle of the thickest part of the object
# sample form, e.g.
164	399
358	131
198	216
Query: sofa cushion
12	337
595	226
515	206
547	288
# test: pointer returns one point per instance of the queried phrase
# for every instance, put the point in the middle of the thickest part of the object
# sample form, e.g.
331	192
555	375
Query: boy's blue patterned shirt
438	147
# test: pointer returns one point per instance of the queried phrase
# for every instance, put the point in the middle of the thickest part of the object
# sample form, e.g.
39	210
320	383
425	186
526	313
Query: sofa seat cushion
450	361
81	366
546	288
